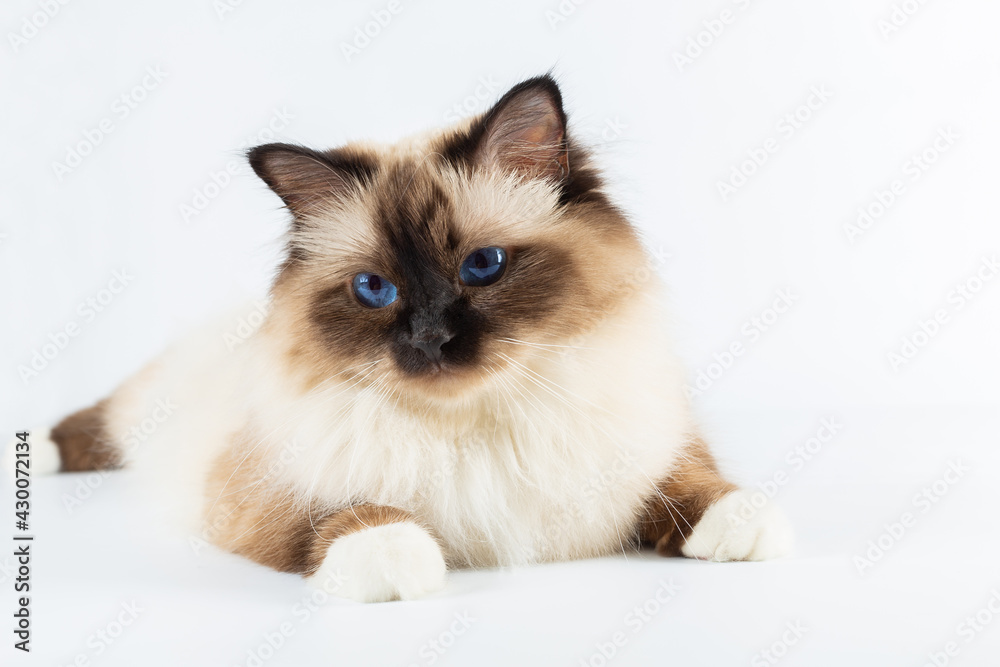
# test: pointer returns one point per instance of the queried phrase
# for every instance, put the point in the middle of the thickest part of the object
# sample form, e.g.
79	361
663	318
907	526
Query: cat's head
440	260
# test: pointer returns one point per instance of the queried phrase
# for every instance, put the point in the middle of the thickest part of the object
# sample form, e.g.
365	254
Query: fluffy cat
459	366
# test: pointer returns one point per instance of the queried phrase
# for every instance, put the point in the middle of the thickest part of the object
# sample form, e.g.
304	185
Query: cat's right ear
307	180
525	132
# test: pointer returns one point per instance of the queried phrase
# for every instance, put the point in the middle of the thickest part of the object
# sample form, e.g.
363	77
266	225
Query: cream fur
555	466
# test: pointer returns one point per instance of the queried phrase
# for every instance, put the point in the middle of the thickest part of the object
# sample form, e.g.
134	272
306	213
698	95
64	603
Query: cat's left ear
306	180
525	131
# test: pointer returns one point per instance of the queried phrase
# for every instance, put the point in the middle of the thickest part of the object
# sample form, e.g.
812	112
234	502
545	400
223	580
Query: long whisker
543	346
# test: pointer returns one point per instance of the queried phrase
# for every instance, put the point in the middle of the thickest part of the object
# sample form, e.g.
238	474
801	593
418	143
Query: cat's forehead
417	206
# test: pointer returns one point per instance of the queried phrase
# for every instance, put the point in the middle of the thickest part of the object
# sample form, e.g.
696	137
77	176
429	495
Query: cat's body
528	473
401	407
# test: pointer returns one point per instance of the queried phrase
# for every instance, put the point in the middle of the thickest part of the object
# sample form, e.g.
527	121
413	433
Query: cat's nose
431	345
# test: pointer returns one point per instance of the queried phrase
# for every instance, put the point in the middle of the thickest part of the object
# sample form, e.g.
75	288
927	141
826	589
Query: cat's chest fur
537	471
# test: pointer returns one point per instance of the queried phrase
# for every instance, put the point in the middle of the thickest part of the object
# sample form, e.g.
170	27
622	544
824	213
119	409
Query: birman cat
459	367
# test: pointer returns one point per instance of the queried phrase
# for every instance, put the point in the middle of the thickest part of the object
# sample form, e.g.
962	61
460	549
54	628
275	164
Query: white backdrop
820	178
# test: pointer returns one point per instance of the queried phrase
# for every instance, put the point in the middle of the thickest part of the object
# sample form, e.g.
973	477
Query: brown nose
431	346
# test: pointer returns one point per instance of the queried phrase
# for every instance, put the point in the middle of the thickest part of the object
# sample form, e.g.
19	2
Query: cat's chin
446	384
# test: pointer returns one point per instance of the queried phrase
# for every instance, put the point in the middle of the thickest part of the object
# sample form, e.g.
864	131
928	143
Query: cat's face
439	262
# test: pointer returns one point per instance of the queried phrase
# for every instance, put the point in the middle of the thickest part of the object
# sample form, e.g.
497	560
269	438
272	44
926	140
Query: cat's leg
696	513
366	552
79	442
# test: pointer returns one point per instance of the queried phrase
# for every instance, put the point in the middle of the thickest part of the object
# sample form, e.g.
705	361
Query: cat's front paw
396	561
736	529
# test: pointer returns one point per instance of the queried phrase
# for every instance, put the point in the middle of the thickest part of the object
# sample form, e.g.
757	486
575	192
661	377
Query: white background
668	135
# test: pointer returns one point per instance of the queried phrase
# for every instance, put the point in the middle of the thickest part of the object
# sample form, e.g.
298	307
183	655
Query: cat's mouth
446	381
440	372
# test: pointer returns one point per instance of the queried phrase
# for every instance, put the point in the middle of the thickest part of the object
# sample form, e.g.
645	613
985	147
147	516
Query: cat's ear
305	179
526	131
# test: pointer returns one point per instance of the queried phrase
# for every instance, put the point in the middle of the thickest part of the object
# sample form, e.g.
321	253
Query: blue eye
374	291
483	267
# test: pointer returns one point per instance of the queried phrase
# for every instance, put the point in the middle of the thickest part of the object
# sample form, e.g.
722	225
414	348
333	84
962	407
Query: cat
460	366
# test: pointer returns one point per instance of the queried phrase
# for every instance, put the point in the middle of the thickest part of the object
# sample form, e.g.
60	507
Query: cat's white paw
734	529
44	453
396	561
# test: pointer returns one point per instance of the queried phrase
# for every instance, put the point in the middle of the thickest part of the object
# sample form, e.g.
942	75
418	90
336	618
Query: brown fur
512	178
418	241
412	213
273	526
692	487
83	441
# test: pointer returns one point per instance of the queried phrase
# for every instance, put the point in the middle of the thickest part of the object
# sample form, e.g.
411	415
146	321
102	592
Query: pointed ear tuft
306	179
526	131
